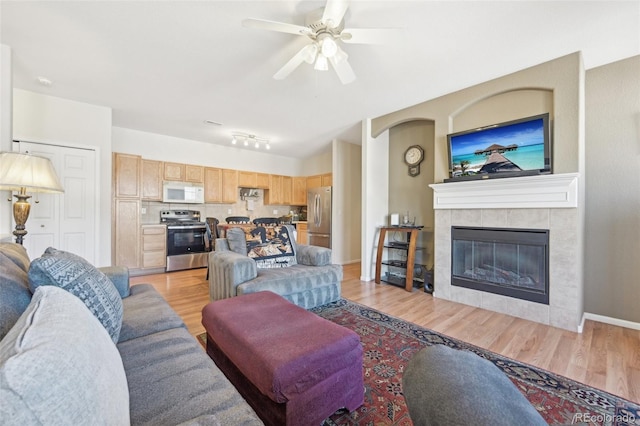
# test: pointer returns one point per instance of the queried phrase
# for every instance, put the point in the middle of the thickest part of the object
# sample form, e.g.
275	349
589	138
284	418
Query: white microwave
183	192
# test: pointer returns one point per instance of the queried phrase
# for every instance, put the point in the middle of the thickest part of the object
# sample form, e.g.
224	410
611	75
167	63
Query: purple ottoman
292	367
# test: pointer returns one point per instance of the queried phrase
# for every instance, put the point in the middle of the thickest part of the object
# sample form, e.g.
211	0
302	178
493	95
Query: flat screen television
514	148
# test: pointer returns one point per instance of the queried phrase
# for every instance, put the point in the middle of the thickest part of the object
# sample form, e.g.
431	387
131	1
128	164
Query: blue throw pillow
77	276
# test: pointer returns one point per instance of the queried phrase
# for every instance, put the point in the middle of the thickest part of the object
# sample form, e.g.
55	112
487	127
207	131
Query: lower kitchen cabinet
126	239
301	229
154	246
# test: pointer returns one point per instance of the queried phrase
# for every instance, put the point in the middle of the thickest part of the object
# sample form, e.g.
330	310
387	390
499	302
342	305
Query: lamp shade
31	172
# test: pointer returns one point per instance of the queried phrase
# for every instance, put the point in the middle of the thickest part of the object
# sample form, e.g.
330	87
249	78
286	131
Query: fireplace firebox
510	262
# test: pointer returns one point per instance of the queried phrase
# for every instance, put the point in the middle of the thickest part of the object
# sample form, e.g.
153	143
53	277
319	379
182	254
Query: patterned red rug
390	342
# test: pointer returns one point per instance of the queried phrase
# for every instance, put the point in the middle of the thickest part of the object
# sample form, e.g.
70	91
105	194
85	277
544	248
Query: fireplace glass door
511	262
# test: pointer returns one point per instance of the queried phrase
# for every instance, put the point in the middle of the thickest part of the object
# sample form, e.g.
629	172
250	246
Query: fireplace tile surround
540	202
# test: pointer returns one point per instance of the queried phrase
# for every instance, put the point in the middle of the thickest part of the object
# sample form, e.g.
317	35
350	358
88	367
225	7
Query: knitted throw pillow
77	276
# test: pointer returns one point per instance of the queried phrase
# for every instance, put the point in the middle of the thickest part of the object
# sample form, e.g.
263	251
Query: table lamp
26	173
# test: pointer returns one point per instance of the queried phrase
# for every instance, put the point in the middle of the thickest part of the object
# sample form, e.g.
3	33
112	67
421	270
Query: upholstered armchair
303	274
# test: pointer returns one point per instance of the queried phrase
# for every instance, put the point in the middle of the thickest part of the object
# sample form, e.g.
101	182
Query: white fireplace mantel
541	191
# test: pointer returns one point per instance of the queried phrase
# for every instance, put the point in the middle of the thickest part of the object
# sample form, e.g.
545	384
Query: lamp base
21	210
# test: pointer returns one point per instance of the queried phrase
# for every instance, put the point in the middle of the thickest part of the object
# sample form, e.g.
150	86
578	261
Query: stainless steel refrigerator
319	216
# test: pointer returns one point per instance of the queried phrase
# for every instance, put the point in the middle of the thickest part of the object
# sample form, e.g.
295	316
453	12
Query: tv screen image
513	148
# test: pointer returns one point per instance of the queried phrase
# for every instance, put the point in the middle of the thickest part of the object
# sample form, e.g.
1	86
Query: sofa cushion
305	286
146	312
58	365
14	285
74	274
237	240
171	366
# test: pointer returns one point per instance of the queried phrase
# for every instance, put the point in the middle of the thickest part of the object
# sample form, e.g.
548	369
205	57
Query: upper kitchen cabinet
193	173
287	190
220	185
229	186
299	191
274	195
212	185
183	172
127	171
317	181
314	181
253	180
152	172
262	180
174	171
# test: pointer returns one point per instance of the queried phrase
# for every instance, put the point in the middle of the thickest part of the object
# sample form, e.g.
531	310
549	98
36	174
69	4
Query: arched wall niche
500	107
375	132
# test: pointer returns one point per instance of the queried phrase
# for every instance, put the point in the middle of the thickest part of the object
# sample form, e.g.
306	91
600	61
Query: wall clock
413	156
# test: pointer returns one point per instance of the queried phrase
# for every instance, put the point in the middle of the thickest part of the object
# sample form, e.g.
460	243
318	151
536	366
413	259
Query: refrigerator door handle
318	211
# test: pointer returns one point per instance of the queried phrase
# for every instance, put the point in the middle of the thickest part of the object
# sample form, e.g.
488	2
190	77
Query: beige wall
347	182
608	161
612	271
412	194
556	87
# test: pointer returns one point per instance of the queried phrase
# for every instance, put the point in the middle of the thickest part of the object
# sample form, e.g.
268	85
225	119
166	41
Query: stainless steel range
187	243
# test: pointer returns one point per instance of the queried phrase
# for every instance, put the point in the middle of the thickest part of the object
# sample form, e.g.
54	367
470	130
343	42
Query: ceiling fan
325	28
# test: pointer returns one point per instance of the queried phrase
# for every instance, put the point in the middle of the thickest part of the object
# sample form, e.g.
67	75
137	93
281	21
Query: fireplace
510	262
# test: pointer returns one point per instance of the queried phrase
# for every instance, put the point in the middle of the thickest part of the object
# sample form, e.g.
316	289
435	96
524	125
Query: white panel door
65	221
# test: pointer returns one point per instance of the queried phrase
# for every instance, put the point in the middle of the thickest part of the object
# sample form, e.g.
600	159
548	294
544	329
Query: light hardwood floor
604	356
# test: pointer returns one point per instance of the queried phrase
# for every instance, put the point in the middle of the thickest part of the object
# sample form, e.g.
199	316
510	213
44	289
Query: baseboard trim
609	320
350	262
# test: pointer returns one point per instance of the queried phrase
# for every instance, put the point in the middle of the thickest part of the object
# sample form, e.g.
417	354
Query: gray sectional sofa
60	365
312	280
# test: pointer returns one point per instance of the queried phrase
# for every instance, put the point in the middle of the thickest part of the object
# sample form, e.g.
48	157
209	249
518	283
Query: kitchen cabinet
299	191
154	246
193	173
247	179
126	243
212	185
314	181
229	186
287	190
274	194
127	171
262	180
152	172
174	171
317	181
302	231
253	180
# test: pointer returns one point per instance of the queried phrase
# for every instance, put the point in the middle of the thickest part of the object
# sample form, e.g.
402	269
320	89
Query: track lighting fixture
249	139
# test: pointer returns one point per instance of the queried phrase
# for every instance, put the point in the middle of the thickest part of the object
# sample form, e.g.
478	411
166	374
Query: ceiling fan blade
263	24
343	69
387	36
334	11
307	54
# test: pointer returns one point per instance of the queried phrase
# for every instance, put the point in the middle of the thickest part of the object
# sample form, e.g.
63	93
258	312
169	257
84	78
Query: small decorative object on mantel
413	156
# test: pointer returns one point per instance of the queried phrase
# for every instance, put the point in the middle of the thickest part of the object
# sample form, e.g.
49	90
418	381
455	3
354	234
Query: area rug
389	343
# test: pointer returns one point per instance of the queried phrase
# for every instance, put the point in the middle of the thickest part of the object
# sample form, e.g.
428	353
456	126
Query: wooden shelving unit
409	246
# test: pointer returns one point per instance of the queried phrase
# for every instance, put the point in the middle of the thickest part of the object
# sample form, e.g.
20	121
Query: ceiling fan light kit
325	28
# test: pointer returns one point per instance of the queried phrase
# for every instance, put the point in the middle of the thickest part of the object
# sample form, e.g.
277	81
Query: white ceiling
166	66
